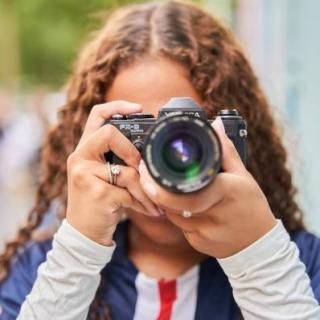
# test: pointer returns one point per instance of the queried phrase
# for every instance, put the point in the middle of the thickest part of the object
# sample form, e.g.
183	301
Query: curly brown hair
218	70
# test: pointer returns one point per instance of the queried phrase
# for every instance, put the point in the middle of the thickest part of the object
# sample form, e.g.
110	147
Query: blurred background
40	38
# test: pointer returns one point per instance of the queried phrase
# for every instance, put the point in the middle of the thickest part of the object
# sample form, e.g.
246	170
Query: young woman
237	248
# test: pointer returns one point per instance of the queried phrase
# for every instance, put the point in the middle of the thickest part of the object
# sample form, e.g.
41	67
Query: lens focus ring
182	153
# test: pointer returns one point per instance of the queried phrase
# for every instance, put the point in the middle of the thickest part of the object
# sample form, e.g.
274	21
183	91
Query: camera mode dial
140	115
228	113
118	117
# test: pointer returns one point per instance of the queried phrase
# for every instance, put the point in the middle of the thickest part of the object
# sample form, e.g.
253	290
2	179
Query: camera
180	148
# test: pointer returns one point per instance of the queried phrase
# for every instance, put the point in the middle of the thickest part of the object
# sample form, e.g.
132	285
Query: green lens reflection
193	171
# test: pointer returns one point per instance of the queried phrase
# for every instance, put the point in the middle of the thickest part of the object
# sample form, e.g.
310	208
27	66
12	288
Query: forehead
152	82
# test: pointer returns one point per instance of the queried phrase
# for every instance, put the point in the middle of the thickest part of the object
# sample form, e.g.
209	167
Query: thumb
231	161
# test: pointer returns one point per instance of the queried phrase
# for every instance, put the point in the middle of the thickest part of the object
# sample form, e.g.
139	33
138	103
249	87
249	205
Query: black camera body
181	150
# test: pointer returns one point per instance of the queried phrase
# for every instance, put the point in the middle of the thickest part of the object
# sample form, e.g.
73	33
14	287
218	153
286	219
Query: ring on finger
186	214
115	171
110	173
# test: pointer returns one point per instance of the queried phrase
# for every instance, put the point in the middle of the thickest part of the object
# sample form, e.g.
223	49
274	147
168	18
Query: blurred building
282	42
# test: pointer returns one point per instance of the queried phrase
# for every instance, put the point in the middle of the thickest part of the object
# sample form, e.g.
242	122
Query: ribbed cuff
262	249
78	244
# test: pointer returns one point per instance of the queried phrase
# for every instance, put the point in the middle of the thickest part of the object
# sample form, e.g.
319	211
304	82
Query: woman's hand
227	216
93	204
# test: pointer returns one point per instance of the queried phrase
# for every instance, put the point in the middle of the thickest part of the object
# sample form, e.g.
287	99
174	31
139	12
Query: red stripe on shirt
168	294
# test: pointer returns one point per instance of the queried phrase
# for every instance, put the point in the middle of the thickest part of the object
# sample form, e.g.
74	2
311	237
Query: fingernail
152	211
218	125
141	166
161	211
150	189
136	105
155	212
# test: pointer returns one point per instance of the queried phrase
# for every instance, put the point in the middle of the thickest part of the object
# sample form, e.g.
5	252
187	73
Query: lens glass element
182	154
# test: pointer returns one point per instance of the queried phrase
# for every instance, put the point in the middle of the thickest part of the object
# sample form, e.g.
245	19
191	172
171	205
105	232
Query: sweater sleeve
269	280
67	281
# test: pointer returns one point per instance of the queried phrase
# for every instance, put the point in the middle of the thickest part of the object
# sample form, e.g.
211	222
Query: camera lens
182	153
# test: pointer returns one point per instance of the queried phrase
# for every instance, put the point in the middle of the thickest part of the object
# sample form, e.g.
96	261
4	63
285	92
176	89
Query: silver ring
186	214
109	173
115	171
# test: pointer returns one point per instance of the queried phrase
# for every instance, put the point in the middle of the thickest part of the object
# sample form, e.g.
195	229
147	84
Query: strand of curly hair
218	70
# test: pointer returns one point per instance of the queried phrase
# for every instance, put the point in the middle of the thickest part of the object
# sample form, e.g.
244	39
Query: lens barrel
182	153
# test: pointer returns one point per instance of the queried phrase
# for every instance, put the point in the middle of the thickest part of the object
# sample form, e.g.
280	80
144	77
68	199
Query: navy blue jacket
118	290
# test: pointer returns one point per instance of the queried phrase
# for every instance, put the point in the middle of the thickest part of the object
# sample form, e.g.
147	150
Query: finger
90	177
231	161
128	179
131	182
101	112
195	202
123	199
109	138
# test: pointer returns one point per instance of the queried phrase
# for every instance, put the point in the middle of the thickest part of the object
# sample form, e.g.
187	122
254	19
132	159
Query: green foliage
48	35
